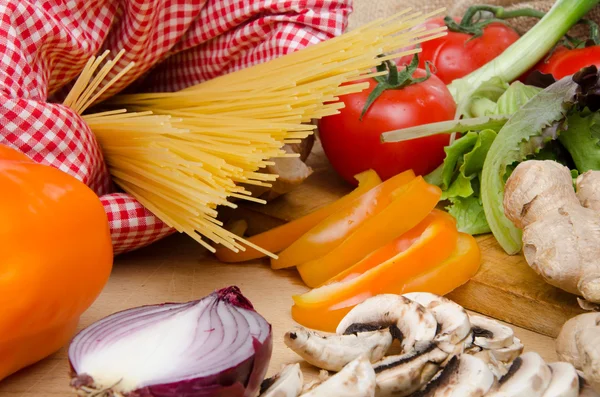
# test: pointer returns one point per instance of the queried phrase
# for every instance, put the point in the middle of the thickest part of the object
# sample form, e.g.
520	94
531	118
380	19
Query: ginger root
561	228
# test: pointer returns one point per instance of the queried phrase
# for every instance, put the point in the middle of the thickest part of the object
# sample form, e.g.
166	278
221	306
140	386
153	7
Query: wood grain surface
176	270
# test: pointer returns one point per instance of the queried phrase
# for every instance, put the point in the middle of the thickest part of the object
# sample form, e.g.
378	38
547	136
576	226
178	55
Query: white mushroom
508	354
357	379
585	389
566	345
490	334
287	383
463	376
333	352
404	374
588	344
452	318
565	381
415	323
498	368
529	375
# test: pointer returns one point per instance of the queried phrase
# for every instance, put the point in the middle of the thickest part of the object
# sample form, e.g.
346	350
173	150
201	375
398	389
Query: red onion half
216	346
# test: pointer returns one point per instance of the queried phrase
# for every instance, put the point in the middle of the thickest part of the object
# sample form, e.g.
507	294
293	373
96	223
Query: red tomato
565	62
353	146
454	57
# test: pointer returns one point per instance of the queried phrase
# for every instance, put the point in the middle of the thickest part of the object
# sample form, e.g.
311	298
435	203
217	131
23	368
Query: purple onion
216	346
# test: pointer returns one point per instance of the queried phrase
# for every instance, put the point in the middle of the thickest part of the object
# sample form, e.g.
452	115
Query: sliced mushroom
415	323
357	379
498	368
333	352
490	334
585	389
508	354
464	376
404	374
287	383
565	381
529	375
452	318
588	344
566	346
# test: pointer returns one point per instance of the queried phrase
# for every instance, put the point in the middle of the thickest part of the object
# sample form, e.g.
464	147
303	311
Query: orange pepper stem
279	238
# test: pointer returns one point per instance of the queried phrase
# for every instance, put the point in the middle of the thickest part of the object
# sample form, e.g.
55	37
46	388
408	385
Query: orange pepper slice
411	204
280	237
452	273
323	307
334	229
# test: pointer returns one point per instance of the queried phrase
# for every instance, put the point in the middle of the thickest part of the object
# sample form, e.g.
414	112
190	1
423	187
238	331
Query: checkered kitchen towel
44	44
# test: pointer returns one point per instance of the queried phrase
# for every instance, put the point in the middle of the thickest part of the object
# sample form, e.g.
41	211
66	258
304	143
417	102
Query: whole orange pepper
279	238
55	258
334	229
323	307
411	204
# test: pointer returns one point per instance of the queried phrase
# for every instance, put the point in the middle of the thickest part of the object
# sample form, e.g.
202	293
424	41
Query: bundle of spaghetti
182	154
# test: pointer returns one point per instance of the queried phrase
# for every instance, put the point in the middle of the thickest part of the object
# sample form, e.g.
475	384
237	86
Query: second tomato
353	145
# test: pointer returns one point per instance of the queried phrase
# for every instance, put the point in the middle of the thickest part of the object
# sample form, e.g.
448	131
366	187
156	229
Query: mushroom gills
287	383
334	352
357	379
404	374
415	323
463	376
490	334
452	318
564	382
529	375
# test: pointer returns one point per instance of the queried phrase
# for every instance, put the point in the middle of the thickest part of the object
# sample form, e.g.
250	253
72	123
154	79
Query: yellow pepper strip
334	229
281	237
410	205
323	308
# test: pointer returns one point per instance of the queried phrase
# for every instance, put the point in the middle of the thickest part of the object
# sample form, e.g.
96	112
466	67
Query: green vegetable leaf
515	97
483	100
454	154
461	187
582	140
513	144
473	161
469	215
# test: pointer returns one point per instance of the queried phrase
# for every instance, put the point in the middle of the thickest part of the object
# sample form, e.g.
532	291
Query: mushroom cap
287	383
566	345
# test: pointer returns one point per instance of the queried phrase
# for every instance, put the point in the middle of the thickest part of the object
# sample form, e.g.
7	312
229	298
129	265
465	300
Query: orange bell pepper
55	258
439	247
278	238
411	204
333	230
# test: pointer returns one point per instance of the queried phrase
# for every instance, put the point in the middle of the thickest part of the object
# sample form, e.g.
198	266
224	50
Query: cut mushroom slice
565	381
510	353
529	375
416	324
490	334
585	389
498	368
404	374
357	379
452	318
287	383
333	352
464	376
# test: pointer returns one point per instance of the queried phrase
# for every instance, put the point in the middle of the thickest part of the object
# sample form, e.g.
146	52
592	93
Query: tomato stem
473	22
394	80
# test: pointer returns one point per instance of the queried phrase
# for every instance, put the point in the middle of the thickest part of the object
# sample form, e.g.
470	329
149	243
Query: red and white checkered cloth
44	44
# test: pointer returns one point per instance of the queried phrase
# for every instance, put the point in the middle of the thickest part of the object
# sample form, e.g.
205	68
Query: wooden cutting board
505	287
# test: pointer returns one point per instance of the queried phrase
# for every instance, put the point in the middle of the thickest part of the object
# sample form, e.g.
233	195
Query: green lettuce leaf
469	215
582	140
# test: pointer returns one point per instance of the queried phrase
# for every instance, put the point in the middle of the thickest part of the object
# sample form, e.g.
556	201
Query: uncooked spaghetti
183	154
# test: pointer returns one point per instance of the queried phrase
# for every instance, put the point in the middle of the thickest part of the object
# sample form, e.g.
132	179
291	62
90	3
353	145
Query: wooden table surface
177	269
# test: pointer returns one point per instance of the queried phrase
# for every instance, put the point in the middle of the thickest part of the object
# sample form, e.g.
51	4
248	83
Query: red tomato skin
565	62
353	146
453	56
